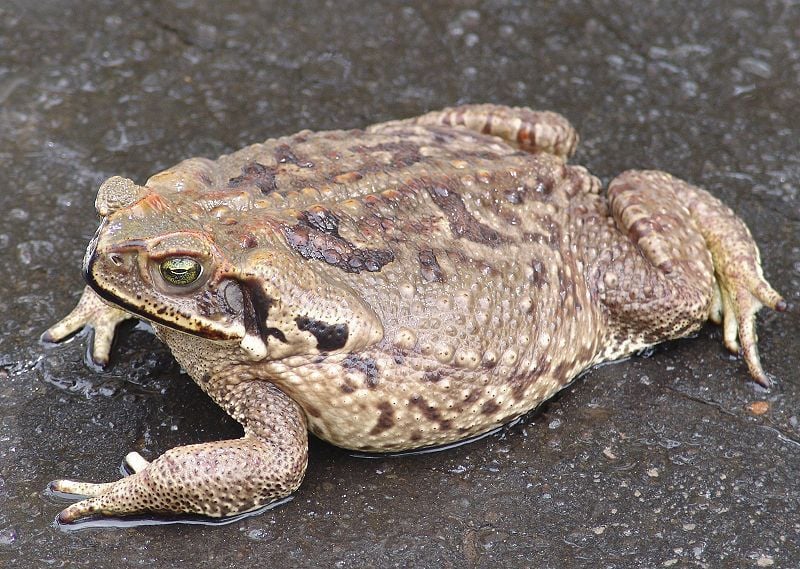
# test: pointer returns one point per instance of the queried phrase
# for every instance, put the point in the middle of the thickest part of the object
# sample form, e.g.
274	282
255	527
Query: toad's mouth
151	312
221	313
231	308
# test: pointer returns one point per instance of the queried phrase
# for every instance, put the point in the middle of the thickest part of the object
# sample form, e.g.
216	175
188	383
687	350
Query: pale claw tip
136	461
97	360
763	380
57	486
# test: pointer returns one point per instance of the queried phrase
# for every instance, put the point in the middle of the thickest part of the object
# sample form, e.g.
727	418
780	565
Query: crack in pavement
782	435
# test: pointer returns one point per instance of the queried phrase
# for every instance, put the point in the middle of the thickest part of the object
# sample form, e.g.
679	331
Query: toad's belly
370	402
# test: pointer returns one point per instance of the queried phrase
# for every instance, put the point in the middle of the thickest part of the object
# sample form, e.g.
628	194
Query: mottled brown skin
413	284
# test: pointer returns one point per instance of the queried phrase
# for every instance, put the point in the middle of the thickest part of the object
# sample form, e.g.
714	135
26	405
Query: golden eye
181	271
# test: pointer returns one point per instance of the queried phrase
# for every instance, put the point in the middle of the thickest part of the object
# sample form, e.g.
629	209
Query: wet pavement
671	460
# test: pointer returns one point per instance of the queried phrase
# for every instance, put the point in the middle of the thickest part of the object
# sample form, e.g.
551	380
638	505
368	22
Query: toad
412	284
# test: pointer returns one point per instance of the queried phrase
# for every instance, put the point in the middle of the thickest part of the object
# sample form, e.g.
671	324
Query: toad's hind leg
526	129
213	479
703	264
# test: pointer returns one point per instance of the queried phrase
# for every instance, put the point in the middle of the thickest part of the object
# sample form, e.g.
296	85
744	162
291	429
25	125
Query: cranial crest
117	193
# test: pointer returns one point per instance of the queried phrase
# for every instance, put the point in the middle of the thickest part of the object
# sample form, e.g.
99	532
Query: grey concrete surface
659	461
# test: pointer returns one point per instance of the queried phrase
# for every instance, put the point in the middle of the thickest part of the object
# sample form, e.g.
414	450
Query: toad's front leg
95	313
213	479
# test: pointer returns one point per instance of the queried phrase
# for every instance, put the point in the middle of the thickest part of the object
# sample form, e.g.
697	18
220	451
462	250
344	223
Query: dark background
658	461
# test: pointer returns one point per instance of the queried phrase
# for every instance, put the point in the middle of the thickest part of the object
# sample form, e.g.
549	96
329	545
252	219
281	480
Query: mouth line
90	261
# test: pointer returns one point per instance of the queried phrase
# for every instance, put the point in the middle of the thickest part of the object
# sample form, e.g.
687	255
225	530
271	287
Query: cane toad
412	284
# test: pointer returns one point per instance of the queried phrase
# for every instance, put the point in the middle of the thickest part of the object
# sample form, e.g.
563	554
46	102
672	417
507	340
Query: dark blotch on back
489	407
262	177
430	412
316	236
462	223
514	196
552	237
560	372
322	220
329	336
539	275
544	186
285	155
432	376
429	266
249	241
403	153
366	366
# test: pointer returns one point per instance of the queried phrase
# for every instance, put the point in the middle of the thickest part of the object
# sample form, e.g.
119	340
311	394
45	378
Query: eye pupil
180	271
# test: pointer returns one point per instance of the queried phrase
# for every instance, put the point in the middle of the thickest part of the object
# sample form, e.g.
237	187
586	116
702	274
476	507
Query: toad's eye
181	271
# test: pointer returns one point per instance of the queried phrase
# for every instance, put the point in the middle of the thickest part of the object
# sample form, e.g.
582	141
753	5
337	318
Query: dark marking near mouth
260	176
285	155
256	311
462	223
367	366
316	236
329	336
429	266
385	419
489	407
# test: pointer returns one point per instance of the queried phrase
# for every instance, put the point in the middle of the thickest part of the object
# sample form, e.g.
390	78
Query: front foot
93	312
